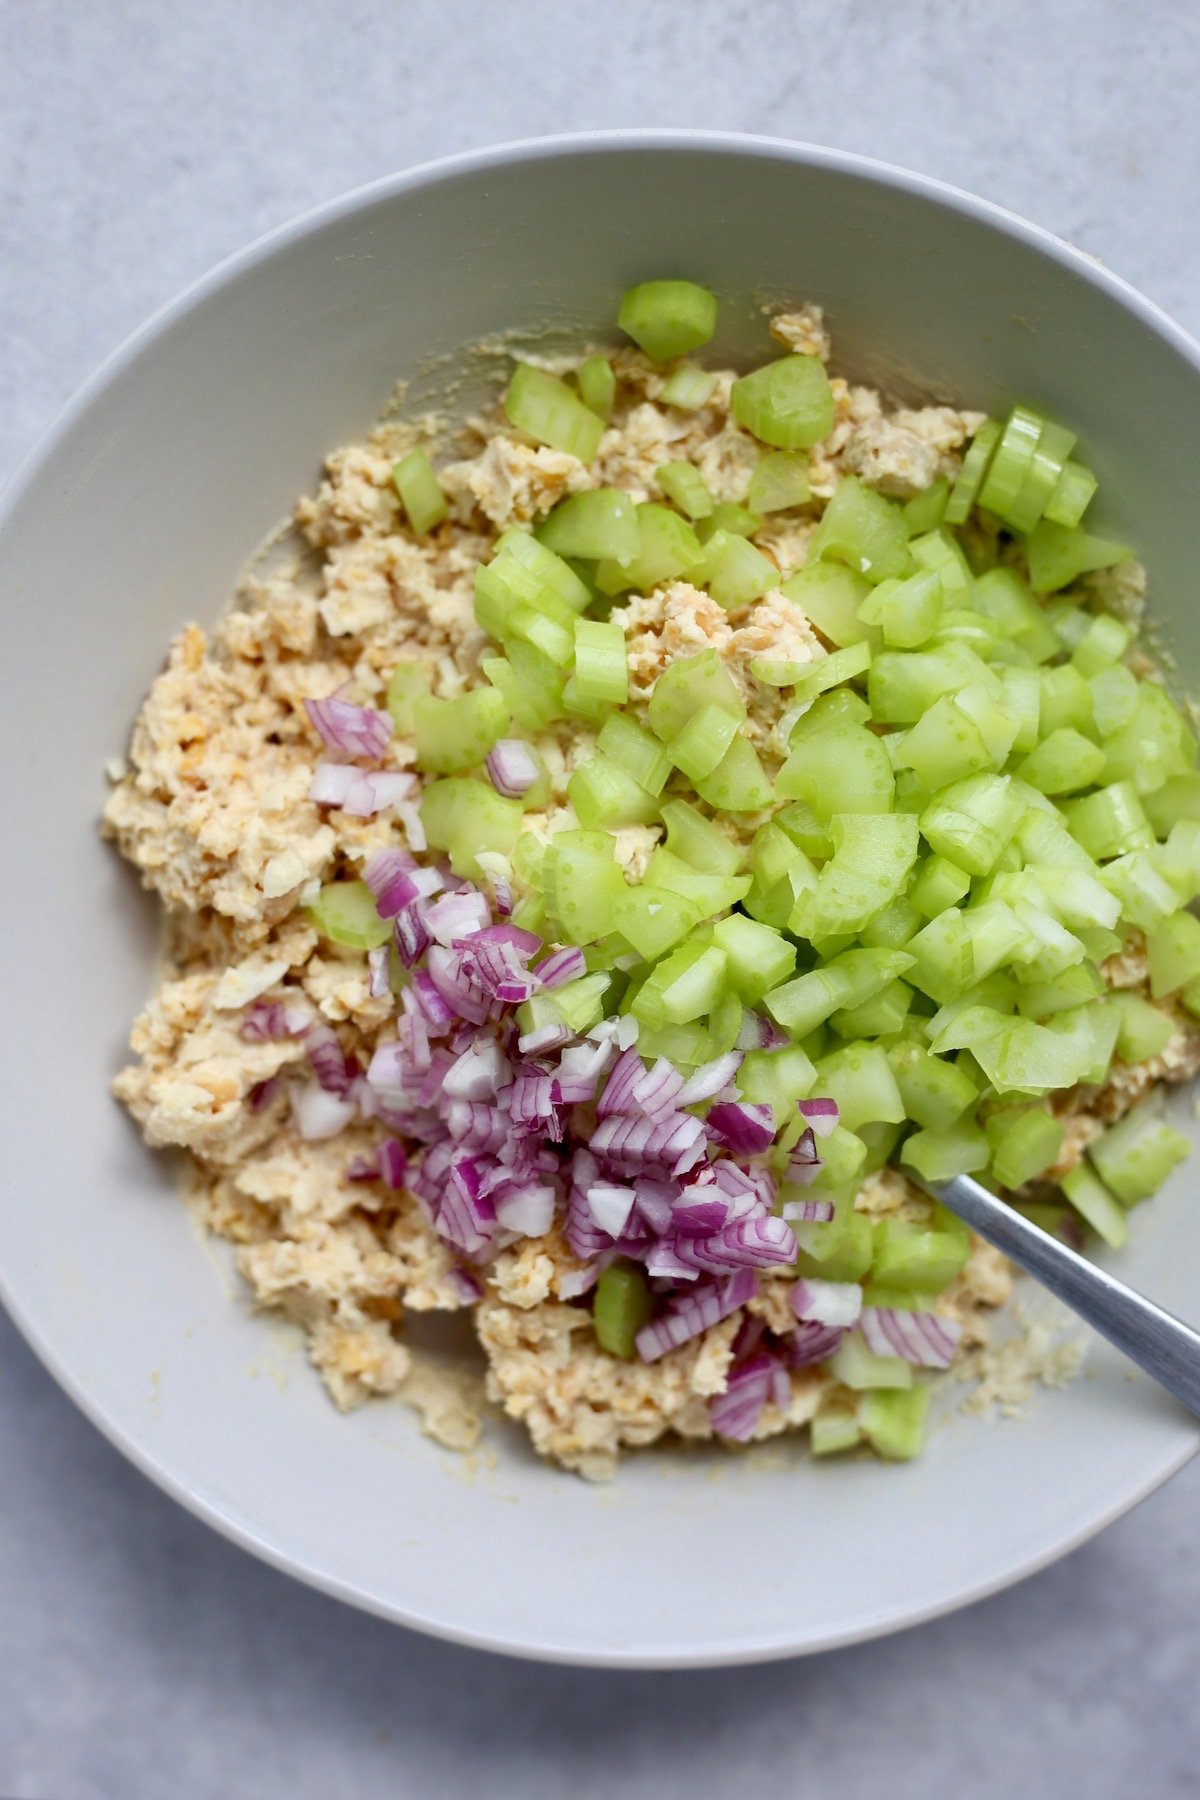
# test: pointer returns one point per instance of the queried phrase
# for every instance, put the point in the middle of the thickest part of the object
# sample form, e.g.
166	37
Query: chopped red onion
511	767
465	1283
480	1072
328	1059
826	1302
618	1091
383	866
750	1334
657	1089
809	1212
362	1168
579	1070
393	1164
267	1019
662	1261
735	1413
561	966
320	1113
693	1313
360	792
351	730
546	1037
822	1115
456	916
610	1206
919	1337
573	1282
266	1091
527	1210
709	1079
757	1032
746	1128
377	973
812	1343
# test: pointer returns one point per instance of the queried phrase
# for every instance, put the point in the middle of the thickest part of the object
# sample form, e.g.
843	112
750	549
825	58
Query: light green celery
800	823
939	883
925	511
1178	860
1104	644
787	404
529	914
916	1259
507	583
881	1017
1173	952
687	1046
1073	986
963	625
779	481
602	523
1069	501
773	853
554	639
734	572
832	1430
971	821
668	318
873	854
843	1154
600	669
577	707
943	957
830	595
684	987
408	683
1058	555
863	530
725	1023
466	817
730	517
696	840
1063	762
529	853
904	684
1067	619
1135	1156
893	927
848	980
960	1149
1144	1030
580	1004
582	884
654	919
457	734
345	912
1156	744
1177	799
1006	599
605	797
908	612
683	483
700	744
529	684
689	387
1146	898
545	407
621	1306
855	1367
1028	1147
1042	477
597	386
633	749
685	687
551	571
840	1250
1010	462
1095	1204
837	768
944	746
420	494
942	553
811	678
895	1424
860	1079
737	784
667	546
777	1078
935	1091
711	893
970	477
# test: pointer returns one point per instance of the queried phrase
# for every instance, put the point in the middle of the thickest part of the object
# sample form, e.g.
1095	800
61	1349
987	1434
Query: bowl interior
136	516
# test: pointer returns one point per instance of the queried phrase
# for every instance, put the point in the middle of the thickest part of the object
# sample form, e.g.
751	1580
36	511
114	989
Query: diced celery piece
1028	1147
605	797
895	1423
855	1367
633	749
860	1079
1042	477
409	682
843	1154
893	927
687	1046
935	1091
1146	898
545	408
1144	1029
938	1155
863	530
916	1259
839	769
597	386
873	853
1114	698
943	554
848	980
683	483
600	670
939	883
944	746
777	1078
689	387
773	853
925	511
1067	620
1154	745
1074	986
779	481
420	494
1010	462
907	612
734	572
508	583
813	677
1177	799
1094	1203
1178	860
1059	554
686	687
700	744
971	821
529	853
582	884
654	919
668	318
725	1023
667	546
1006	599
457	734
904	684
621	1306
684	987
345	912
529	684
1104	643
832	1430
838	1251
552	572
601	523
580	1004
880	1017
830	595
738	783
787	404
695	840
465	817
943	956
711	893
1063	762
1173	951
1069	501
728	516
970	477
552	638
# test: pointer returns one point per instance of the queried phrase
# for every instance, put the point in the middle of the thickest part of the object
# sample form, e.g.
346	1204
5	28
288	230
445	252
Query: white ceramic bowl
135	515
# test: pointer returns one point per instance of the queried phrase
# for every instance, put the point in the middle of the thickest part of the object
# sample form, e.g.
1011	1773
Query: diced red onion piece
610	1206
812	1343
618	1091
465	1283
479	1073
409	815
327	1057
826	1302
809	1212
320	1113
511	767
747	1128
527	1210
351	730
757	1032
657	1089
919	1337
709	1079
359	792
456	916
546	1037
393	1163
573	1282
561	966
693	1313
735	1413
377	973
822	1115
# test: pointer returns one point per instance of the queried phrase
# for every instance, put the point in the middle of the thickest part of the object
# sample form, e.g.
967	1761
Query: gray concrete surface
143	1658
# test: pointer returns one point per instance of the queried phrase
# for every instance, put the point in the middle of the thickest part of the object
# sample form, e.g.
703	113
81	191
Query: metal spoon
1155	1340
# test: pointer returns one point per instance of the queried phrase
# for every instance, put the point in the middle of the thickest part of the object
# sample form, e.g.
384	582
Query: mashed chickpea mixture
213	805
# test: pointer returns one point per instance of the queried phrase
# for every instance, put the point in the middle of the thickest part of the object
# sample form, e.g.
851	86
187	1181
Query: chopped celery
833	1429
734	572
1177	799
457	734
545	407
935	1091
830	595
1173	952
738	783
917	1259
582	884
1075	986
552	572
1146	898
621	1307
848	980
907	611
813	676
711	893
601	523
1114	698
465	817
408	683
597	386
943	554
605	797
687	1046
894	1422
971	821
843	1154
1063	762
1144	1029
695	840
970	477
653	919
1007	600
1069	501
668	318
939	883
880	1017
937	1155
633	749
843	1254
1154	745
777	1078
863	530
1041	479
667	546
904	684
855	1367
345	912
689	387
1135	1157
892	928
725	1023
779	481
1011	460
945	745
838	769
688	984
683	483
1059	554
533	702
1027	1147
799	822
873	853
529	853
925	511
688	685
1094	1203
420	495
552	638
728	516
860	1079
1103	644
600	670
700	744
787	404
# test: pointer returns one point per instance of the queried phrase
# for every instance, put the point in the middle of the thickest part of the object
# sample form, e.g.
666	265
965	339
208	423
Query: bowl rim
30	469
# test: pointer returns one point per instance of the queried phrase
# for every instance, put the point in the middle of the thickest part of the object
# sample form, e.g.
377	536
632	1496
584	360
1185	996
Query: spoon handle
1155	1340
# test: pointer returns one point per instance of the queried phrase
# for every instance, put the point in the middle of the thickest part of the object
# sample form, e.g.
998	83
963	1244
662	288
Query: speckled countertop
143	1658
